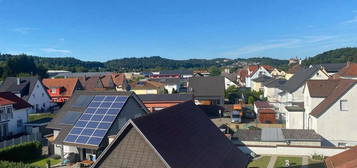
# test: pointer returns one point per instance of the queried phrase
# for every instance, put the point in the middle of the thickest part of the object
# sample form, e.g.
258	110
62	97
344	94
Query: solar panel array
96	120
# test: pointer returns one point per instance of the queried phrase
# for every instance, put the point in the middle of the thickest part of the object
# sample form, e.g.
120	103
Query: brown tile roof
346	159
5	101
295	68
142	85
243	73
342	87
107	81
118	79
321	88
17	102
262	104
350	70
68	83
91	83
268	68
265	111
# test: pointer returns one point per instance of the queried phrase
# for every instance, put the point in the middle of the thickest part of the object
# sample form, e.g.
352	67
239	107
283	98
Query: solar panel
70	117
96	120
83	101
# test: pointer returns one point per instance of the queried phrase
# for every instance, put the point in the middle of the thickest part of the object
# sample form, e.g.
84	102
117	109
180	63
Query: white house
13	114
254	72
230	79
31	90
334	118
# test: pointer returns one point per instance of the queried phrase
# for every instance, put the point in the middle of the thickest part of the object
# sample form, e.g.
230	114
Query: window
341	144
19	123
343	105
53	90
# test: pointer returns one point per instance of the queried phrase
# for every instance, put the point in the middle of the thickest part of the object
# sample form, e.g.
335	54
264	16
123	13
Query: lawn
260	163
34	117
294	162
316	163
43	162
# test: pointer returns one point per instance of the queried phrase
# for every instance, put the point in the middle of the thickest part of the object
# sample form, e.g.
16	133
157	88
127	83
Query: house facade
207	90
31	90
254	72
61	89
147	87
13	115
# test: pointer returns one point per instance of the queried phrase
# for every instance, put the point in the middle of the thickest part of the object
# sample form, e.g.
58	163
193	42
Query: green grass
294	162
316	163
43	162
260	163
34	117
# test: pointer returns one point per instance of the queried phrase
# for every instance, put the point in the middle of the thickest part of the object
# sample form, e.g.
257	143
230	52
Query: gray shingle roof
207	86
277	135
333	67
274	83
299	79
262	79
184	137
26	86
181	72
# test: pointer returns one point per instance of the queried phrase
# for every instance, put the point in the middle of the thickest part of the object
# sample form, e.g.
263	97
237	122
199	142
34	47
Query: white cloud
23	30
53	50
279	44
353	20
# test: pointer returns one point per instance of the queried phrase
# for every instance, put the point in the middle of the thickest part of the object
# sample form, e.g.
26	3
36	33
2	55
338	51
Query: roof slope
166	97
321	88
18	103
299	78
346	159
207	86
142	85
342	87
68	83
350	70
26	86
184	137
274	83
333	67
91	83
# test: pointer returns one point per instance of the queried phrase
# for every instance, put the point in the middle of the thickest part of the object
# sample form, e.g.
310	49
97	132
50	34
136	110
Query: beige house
147	87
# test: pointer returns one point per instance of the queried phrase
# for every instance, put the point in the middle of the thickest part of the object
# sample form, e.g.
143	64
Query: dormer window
53	90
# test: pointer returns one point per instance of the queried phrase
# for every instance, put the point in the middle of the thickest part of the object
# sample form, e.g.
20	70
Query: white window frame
343	105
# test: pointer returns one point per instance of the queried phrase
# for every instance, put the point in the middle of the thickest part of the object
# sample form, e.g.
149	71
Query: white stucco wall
39	97
228	83
336	125
170	87
20	114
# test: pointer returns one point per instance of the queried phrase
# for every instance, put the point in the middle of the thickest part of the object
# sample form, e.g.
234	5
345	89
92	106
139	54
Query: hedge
7	164
24	152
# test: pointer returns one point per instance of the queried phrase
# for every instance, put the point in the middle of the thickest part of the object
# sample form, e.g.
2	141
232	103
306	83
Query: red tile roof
118	79
142	85
243	73
68	83
350	70
18	103
343	86
346	159
262	104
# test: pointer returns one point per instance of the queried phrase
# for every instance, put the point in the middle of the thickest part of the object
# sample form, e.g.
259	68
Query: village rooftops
178	136
19	85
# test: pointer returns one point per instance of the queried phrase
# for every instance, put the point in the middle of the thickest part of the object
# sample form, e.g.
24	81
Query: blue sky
177	29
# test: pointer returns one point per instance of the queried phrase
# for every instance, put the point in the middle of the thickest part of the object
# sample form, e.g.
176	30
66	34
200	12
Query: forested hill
334	56
9	64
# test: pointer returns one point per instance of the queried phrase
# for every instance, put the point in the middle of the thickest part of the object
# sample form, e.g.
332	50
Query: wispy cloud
23	30
279	44
53	50
353	20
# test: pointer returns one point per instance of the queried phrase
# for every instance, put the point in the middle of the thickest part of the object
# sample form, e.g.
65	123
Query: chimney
18	81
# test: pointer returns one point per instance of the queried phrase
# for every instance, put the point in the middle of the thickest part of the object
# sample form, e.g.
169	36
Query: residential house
347	72
13	115
257	83
61	89
178	136
31	90
108	81
276	136
120	81
83	124
276	73
332	68
207	90
334	117
172	85
265	112
173	74
255	71
202	73
272	88
292	70
91	83
242	74
346	159
147	87
155	102
230	79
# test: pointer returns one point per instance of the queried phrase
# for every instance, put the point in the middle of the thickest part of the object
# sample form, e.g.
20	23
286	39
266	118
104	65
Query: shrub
24	152
317	157
7	164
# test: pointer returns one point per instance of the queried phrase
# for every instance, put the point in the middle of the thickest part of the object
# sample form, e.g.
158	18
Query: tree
173	91
232	94
250	100
214	71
